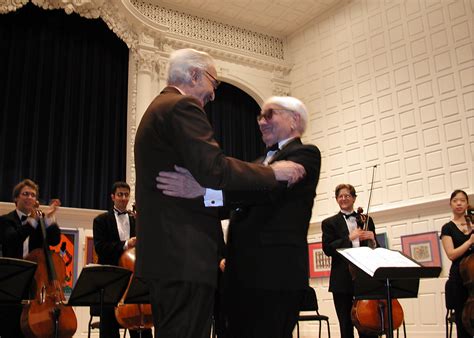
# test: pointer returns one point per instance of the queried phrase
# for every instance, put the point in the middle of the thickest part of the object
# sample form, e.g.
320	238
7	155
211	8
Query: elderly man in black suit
21	233
266	271
114	232
343	231
178	239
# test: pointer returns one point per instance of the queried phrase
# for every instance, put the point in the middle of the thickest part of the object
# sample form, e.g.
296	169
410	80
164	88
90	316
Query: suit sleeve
53	234
308	156
14	236
194	140
332	239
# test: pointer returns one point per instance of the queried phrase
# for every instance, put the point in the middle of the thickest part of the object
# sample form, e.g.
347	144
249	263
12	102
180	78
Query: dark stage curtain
233	116
63	106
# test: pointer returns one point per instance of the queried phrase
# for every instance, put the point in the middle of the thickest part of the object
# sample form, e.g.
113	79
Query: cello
46	316
132	316
371	316
466	269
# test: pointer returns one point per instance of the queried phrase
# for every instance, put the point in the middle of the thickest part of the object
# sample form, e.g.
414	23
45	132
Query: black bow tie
274	147
353	214
23	218
121	212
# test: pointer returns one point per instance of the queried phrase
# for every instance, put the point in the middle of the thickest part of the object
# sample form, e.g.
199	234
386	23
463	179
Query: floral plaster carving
86	8
11	5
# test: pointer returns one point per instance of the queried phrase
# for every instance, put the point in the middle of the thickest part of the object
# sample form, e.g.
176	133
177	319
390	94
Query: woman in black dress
457	238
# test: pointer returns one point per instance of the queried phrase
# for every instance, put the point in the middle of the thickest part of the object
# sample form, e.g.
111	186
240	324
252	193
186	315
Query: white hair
183	61
295	106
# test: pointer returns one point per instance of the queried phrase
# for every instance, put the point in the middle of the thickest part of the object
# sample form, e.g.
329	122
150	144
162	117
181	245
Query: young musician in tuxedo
342	231
114	232
21	233
457	238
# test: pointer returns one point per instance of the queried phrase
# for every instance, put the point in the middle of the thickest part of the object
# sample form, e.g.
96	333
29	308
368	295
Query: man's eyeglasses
215	82
267	114
28	194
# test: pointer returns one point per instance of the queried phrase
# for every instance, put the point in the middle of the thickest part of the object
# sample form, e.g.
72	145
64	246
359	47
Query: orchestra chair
310	303
450	317
94	311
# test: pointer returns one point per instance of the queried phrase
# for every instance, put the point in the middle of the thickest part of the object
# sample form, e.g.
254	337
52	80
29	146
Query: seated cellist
21	234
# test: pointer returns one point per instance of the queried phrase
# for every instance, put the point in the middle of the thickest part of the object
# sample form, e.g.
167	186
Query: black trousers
257	313
343	305
181	309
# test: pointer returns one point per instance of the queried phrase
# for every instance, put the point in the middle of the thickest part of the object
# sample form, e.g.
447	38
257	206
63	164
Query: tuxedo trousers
259	313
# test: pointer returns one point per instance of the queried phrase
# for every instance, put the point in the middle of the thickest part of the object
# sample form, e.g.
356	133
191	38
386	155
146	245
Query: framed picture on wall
68	249
319	263
91	255
382	240
423	248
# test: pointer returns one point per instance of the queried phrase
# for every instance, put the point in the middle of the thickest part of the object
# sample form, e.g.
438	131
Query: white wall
391	83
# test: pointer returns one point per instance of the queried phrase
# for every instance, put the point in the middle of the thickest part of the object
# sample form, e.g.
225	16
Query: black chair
450	317
310	303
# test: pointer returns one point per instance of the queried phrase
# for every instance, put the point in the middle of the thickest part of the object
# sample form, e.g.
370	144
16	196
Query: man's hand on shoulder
179	183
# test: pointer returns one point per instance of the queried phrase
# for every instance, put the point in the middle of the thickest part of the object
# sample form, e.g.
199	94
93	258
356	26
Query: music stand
15	279
391	282
138	292
100	285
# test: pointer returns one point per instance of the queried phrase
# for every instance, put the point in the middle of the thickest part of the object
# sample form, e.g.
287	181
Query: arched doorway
233	116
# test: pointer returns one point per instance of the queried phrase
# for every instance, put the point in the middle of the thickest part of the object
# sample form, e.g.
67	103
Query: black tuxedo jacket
336	236
267	243
107	241
14	234
177	238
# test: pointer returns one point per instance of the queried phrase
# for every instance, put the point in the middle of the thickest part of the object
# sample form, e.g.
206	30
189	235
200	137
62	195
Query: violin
47	316
466	269
371	316
132	316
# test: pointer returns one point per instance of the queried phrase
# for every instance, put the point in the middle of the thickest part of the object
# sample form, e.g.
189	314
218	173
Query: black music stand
138	292
16	276
100	285
391	282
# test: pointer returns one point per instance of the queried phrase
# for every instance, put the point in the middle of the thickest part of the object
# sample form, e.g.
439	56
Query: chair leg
320	325
89	328
329	330
298	329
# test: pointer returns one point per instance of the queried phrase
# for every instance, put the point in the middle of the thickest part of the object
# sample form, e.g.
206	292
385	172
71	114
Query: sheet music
369	260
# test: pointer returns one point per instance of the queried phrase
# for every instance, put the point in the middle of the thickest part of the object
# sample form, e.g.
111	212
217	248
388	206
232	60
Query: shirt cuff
33	222
213	198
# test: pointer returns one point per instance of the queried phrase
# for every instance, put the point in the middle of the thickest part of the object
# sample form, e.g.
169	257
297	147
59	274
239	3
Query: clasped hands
180	183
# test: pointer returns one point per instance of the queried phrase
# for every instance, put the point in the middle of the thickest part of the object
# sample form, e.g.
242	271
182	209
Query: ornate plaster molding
212	31
7	6
280	87
226	42
86	8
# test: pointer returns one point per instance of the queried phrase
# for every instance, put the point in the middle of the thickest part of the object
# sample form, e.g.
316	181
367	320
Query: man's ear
195	74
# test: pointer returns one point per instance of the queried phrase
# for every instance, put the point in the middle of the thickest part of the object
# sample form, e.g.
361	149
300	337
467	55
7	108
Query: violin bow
366	225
